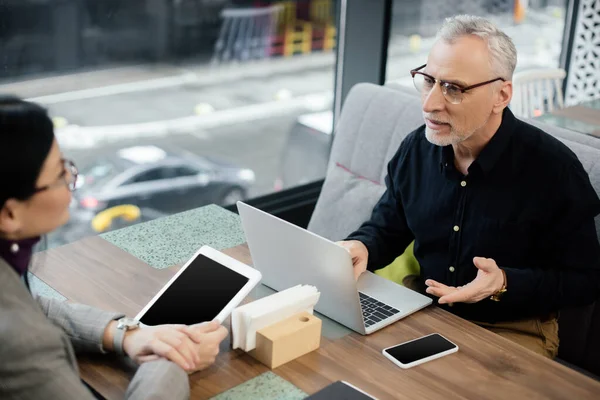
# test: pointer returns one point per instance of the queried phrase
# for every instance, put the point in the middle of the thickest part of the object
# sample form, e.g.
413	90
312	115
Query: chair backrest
373	123
537	91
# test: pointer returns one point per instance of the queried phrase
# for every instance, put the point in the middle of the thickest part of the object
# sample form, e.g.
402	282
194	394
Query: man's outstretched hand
488	281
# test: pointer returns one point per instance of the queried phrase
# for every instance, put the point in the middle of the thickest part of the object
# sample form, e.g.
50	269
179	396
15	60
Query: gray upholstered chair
373	123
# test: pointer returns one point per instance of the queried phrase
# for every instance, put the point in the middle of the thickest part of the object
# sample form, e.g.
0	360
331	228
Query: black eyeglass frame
62	179
442	82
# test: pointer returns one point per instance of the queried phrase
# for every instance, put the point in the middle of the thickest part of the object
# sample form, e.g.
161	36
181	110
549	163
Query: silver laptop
288	255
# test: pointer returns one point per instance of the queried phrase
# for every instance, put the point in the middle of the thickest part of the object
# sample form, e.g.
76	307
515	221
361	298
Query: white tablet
208	287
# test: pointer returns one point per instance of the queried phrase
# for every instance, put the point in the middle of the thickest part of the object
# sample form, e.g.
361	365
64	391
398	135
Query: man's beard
442	140
454	137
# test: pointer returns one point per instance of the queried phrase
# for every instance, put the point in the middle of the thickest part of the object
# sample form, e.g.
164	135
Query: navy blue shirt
526	202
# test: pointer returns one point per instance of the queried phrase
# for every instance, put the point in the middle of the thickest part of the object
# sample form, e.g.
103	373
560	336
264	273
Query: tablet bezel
254	276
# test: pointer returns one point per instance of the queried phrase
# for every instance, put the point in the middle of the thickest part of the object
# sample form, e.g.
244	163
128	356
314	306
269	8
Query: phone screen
418	349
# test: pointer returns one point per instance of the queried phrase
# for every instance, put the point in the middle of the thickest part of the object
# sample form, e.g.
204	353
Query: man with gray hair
501	213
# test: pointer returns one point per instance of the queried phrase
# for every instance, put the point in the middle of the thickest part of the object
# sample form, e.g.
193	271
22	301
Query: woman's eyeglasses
452	92
67	177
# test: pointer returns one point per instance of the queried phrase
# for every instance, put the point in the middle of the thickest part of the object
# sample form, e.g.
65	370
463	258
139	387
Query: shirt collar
18	253
492	151
447	158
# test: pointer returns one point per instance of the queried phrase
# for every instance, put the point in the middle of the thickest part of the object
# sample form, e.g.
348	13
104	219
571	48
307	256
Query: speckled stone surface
267	386
167	241
40	288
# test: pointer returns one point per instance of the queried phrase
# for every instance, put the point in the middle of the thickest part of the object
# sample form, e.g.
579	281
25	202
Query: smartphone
420	350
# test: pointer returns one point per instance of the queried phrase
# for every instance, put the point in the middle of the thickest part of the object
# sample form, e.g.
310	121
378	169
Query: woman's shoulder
35	361
23	324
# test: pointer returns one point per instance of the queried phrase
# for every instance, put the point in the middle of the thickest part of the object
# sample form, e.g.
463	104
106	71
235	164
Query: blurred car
306	152
151	177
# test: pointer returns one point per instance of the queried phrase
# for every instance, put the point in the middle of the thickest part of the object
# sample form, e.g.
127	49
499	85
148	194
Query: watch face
128	323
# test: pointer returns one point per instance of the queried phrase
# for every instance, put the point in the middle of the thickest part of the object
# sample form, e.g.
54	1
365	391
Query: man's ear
503	97
9	223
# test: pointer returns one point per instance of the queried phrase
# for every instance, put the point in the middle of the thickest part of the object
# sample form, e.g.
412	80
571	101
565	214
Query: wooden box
287	340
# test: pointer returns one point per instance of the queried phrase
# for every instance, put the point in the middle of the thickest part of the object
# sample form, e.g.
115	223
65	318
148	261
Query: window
535	26
229	80
180	172
153	174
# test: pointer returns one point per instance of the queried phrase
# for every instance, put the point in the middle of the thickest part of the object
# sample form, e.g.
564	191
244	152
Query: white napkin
251	317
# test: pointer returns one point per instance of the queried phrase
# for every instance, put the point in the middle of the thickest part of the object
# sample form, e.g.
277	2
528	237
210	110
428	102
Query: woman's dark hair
26	137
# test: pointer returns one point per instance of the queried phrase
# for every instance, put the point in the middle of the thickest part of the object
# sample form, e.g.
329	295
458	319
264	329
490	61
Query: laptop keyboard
374	311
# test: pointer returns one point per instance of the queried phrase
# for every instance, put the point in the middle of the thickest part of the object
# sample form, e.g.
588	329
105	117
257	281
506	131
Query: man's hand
488	281
360	255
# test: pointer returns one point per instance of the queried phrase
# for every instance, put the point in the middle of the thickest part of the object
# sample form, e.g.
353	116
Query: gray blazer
39	338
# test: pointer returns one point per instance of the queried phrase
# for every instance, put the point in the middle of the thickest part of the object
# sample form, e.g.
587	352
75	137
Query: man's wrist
498	293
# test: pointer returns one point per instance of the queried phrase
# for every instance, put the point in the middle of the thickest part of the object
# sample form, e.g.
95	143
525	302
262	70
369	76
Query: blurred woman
40	337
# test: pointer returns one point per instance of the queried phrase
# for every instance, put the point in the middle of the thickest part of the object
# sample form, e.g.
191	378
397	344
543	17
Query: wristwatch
123	325
496	296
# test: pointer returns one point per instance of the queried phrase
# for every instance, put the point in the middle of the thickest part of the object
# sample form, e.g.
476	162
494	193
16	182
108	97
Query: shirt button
463	183
456	228
451	269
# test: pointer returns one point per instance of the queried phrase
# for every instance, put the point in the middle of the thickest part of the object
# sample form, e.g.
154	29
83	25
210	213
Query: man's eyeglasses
67	177
452	92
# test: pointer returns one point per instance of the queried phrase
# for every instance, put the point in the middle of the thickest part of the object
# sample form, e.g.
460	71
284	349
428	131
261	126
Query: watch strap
496	296
118	339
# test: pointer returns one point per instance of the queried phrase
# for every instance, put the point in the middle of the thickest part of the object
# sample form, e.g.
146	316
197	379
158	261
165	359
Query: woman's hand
172	342
207	338
193	348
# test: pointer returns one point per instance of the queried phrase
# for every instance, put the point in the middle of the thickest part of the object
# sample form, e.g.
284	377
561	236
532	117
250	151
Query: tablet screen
197	295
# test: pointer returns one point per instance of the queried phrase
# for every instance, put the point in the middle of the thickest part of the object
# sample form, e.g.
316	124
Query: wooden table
584	118
486	366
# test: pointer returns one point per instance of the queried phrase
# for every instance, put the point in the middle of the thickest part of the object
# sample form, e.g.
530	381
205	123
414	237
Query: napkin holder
287	339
